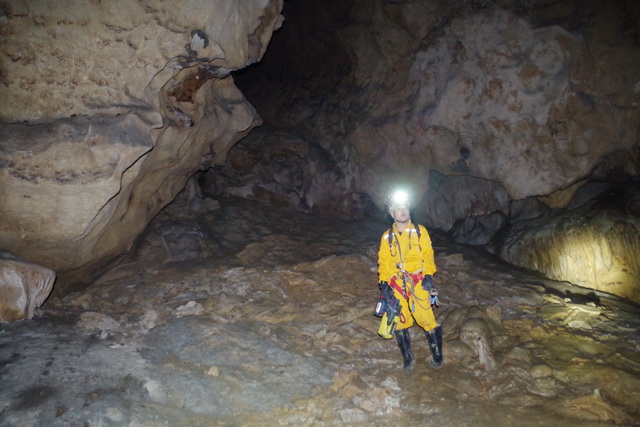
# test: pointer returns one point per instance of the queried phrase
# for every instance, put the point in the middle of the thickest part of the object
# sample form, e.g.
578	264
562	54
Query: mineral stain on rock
34	396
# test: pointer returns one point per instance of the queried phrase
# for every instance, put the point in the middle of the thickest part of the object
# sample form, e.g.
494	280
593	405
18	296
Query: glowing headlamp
400	198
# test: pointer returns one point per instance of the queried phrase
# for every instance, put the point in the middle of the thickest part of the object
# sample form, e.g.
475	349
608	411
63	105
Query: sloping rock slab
23	287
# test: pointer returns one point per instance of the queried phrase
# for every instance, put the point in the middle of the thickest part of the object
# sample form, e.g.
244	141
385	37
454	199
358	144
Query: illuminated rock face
108	109
595	245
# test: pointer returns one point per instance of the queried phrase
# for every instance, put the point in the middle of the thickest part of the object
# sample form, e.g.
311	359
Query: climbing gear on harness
434	337
407	284
404	342
408	287
434	298
389	308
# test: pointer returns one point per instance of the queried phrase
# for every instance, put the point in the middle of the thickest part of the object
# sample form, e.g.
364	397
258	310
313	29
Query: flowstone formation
109	108
595	244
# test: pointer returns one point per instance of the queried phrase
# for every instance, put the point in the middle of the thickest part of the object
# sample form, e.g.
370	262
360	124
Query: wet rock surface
268	321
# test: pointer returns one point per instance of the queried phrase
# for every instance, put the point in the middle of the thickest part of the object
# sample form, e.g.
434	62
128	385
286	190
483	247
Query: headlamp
400	198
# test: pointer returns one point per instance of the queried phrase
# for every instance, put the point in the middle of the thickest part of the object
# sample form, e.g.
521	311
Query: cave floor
245	314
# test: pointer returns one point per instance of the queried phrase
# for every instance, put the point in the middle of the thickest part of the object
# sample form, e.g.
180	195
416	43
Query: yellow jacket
406	252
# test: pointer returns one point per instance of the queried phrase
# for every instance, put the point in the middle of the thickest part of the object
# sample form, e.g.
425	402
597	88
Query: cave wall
493	114
287	169
532	95
108	109
595	244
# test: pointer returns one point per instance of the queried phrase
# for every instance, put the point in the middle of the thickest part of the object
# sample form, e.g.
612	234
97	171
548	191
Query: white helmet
399	199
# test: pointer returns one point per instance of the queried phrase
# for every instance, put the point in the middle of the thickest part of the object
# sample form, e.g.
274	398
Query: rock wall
595	244
108	109
287	169
488	112
530	95
23	287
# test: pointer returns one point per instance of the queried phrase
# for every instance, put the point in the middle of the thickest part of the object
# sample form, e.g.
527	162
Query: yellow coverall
414	256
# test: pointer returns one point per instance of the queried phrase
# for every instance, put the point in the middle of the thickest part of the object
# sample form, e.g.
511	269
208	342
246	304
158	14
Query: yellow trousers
417	309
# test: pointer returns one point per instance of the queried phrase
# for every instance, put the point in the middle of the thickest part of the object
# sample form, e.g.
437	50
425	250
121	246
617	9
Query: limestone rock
58	178
92	321
108	109
64	58
191	308
595	245
527	208
475	333
472	329
518	98
453	197
287	169
24	286
479	231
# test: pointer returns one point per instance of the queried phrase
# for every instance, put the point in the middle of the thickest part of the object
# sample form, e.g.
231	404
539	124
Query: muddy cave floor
244	314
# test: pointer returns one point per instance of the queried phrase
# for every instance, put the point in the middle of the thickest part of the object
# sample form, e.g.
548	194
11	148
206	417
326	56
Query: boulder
24	286
450	198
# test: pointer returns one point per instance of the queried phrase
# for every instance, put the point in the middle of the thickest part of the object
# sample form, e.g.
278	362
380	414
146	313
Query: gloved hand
427	283
387	300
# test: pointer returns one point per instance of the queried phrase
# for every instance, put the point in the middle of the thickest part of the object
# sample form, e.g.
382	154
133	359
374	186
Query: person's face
401	214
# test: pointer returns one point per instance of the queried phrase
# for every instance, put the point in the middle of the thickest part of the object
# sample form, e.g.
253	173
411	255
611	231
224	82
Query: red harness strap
416	278
394	284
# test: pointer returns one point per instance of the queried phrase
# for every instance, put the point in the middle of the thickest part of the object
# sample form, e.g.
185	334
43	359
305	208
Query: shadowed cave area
196	242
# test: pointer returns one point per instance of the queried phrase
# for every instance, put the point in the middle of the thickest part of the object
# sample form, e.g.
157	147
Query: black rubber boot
404	342
434	337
